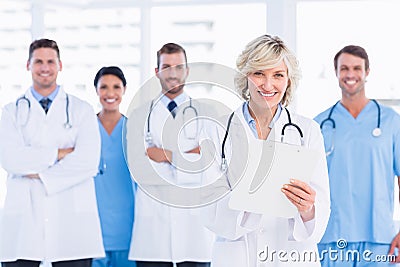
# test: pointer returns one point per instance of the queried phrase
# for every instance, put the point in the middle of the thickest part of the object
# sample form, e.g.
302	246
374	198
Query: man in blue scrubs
362	141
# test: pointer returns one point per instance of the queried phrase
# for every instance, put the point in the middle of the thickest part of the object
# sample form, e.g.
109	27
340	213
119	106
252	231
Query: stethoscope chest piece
376	132
67	125
149	138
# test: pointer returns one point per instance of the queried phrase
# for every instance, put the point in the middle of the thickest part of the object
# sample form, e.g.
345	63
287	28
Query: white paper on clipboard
273	166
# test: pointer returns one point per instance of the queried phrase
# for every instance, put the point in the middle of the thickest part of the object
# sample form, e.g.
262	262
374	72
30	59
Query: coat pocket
84	197
232	254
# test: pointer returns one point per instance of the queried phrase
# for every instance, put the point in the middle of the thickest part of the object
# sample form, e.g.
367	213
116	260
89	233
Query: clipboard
271	165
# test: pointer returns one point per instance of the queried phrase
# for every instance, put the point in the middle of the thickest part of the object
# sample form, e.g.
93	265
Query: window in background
15	36
92	38
15	20
342	23
209	33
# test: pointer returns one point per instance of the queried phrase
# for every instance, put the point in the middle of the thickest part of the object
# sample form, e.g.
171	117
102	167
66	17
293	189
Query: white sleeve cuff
302	230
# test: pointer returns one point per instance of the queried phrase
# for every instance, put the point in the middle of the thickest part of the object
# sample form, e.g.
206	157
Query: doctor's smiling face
44	65
110	90
172	69
268	73
172	74
351	73
267	87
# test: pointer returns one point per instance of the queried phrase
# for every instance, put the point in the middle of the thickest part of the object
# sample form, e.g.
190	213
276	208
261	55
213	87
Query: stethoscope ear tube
196	115
330	117
224	165
67	124
25	99
290	123
149	138
376	132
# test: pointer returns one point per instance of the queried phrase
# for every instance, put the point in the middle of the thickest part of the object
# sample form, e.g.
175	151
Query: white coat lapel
32	130
240	138
158	117
164	127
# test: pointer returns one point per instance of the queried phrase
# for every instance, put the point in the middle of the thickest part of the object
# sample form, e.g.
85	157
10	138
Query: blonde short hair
262	53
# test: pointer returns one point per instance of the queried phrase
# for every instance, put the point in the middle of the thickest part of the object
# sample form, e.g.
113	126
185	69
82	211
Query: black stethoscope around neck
224	164
149	138
67	124
376	132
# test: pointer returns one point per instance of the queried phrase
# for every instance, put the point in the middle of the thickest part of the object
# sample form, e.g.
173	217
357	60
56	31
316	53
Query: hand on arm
302	196
159	155
32	176
62	152
164	155
195	150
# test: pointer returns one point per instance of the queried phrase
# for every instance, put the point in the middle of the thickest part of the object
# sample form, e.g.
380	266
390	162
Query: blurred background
127	33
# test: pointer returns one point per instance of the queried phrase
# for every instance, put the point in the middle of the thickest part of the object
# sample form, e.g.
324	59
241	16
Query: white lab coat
53	218
162	232
245	239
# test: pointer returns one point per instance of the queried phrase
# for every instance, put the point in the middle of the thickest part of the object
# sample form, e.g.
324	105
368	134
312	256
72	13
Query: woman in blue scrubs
114	187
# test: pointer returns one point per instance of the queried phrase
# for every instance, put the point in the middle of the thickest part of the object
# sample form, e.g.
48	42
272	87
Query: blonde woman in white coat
268	76
51	154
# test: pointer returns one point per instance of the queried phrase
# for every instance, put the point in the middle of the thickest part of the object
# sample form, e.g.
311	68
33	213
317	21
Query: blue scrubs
115	198
362	170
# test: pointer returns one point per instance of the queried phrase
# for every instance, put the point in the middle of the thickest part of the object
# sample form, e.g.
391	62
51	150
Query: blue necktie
172	108
45	103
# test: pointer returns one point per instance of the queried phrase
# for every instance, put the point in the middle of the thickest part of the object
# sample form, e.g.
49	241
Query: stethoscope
376	132
103	163
224	164
102	166
149	138
67	124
